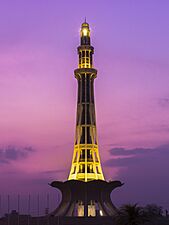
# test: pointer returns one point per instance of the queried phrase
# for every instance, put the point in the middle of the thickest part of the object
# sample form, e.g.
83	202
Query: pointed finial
85	19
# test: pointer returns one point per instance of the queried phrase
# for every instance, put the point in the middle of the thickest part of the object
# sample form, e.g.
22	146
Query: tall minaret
86	160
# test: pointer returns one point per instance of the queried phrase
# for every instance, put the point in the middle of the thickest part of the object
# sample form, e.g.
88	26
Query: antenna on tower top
85	19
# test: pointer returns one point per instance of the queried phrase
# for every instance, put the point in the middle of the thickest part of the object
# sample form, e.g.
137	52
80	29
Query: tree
129	214
152	210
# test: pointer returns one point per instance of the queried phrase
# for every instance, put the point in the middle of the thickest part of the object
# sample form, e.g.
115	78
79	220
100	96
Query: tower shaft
86	164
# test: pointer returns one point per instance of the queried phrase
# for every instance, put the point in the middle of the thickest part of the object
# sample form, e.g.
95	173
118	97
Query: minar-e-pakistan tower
86	161
85	193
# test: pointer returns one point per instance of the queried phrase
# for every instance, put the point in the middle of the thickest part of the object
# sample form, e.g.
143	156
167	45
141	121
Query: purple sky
38	41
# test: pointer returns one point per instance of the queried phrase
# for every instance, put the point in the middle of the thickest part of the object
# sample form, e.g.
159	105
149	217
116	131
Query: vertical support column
86	203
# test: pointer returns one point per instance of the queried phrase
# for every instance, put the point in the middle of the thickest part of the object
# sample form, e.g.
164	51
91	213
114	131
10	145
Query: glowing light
101	213
85	31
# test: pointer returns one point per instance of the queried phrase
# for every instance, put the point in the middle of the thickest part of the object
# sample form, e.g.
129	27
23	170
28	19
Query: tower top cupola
85	34
85	50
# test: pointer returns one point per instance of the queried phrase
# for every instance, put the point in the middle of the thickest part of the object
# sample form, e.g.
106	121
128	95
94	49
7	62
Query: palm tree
129	214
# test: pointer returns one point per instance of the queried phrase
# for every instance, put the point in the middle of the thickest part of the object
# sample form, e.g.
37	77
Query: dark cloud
144	172
13	153
128	152
164	102
123	162
3	161
127	157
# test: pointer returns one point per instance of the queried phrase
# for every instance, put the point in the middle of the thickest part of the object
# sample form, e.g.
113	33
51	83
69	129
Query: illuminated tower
86	160
86	193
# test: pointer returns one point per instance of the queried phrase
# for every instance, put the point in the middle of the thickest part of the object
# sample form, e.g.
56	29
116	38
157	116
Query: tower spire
86	164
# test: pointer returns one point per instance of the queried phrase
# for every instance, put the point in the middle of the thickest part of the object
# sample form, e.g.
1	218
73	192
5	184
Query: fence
33	205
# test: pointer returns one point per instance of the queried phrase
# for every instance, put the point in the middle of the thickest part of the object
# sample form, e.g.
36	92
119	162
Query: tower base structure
85	199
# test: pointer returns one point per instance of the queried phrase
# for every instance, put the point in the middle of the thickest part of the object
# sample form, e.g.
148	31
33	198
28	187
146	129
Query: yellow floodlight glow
84	31
101	213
